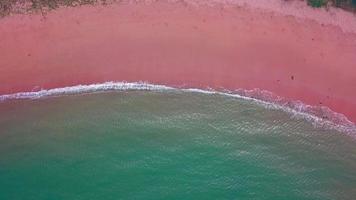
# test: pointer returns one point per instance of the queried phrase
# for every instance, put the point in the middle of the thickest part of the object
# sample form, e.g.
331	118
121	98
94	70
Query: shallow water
168	145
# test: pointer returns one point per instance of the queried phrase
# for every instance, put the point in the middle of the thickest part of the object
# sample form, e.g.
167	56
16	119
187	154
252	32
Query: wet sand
184	46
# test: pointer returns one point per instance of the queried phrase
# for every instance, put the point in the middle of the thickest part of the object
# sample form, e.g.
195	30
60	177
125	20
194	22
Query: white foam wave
107	86
263	98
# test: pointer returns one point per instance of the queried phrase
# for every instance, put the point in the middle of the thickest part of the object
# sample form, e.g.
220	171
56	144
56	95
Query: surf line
319	116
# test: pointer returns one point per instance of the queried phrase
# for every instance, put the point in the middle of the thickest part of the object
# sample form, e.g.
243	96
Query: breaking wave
319	116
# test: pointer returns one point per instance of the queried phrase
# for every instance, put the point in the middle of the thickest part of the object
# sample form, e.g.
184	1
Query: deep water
168	145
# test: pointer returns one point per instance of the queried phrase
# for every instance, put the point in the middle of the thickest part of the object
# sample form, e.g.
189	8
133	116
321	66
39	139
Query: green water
168	145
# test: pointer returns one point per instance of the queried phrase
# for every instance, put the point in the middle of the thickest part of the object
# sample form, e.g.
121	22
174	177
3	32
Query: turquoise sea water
168	145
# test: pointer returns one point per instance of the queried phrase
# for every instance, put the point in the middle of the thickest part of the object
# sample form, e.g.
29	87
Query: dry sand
184	45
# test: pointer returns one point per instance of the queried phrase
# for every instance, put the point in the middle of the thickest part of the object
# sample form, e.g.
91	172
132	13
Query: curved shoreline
178	45
313	114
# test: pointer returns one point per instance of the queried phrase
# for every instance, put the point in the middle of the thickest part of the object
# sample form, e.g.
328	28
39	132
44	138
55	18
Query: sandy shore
182	45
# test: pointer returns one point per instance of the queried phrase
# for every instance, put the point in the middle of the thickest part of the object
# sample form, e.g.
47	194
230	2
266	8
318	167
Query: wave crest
320	116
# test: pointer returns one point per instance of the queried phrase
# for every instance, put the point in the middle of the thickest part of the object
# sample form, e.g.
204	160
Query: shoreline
176	44
318	116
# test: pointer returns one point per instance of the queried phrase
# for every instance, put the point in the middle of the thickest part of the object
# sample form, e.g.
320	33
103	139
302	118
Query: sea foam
319	116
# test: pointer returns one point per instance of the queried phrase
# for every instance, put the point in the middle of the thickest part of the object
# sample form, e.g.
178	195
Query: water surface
168	145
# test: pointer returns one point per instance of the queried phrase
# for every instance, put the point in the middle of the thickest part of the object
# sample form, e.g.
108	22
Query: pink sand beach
221	46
